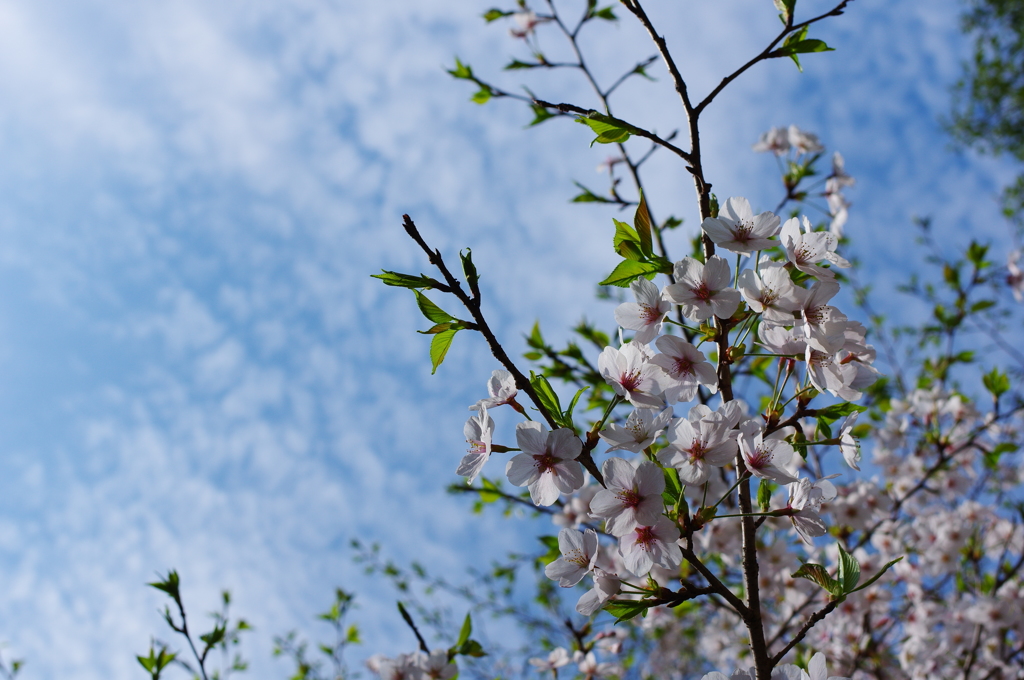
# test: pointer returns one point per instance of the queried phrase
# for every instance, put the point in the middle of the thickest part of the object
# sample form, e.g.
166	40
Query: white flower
556	659
605	587
1014	275
703	439
632	495
502	388
806	499
590	668
766	457
775	140
703	289
808	247
645	316
579	554
804	142
641	429
547	462
685	369
436	666
771	293
849	446
631	374
478	431
646	546
738	230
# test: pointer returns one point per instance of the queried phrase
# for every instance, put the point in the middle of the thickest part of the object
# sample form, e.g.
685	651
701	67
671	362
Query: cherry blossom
478	431
806	498
849	446
631	374
775	140
645	316
772	293
502	388
767	457
642	427
702	440
805	249
579	554
645	546
738	230
547	462
702	290
685	369
558	657
606	586
632	495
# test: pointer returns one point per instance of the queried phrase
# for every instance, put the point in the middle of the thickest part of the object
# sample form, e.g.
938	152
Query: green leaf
878	575
572	404
605	13
432	311
461	70
540	114
589	196
472	648
624	234
673	488
791	49
547	396
818	574
609	130
467	630
992	457
469	269
516	64
849	570
439	347
996	383
494	14
764	495
628	271
405	280
624	610
642	225
837	411
169	585
482	96
535	339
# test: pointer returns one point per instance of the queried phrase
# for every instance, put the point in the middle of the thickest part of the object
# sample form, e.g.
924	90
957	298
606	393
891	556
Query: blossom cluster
786	304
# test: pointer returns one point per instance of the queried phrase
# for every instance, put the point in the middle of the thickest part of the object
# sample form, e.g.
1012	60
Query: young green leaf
878	575
439	346
818	574
481	96
849	570
996	382
764	495
547	396
461	70
628	271
642	225
405	280
467	630
609	130
430	310
624	610
495	14
588	196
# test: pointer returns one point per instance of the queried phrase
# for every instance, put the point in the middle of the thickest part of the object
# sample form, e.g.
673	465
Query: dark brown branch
472	304
789	28
804	629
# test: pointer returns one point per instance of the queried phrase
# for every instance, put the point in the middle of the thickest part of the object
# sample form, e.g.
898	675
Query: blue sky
198	371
